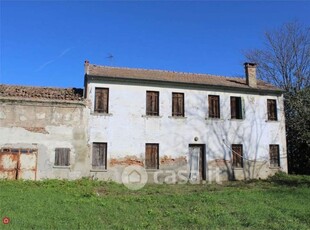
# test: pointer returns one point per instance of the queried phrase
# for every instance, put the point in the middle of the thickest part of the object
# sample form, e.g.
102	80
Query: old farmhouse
164	121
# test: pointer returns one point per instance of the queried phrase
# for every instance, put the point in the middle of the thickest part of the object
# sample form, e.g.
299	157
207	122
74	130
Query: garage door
16	163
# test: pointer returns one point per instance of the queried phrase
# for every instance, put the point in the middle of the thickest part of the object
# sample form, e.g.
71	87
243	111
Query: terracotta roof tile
174	77
64	94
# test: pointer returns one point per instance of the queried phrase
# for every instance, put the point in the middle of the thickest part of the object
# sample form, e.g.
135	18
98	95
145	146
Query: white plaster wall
126	128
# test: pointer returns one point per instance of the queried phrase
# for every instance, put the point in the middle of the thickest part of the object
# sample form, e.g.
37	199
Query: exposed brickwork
67	94
170	161
128	160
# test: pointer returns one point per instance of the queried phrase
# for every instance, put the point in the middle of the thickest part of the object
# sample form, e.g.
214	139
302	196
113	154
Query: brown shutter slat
148	103
237	154
174	105
105	97
147	156
210	108
101	100
233	107
151	156
152	103
216	106
56	156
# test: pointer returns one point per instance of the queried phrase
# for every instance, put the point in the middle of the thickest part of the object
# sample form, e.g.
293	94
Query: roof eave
196	85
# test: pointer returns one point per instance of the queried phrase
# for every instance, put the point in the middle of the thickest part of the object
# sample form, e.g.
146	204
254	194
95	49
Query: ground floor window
151	156
237	154
62	157
274	155
99	159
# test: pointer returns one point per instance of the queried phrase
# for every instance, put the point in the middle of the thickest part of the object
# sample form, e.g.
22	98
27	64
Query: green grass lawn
282	202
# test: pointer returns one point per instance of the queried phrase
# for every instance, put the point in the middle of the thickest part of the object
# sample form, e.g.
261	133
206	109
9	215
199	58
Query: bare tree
285	59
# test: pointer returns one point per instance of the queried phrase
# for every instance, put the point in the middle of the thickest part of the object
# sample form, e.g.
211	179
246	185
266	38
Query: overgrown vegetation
284	60
282	202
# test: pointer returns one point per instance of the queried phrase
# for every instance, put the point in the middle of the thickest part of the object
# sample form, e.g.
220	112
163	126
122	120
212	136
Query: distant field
282	202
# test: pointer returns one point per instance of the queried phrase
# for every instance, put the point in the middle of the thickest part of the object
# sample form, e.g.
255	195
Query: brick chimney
86	64
250	74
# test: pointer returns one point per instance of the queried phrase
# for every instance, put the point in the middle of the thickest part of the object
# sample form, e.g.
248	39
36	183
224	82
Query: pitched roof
174	77
47	93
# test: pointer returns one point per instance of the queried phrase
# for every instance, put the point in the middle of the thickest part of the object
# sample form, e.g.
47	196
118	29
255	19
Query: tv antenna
110	57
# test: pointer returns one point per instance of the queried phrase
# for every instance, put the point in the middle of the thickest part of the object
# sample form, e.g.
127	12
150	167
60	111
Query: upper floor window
101	100
237	154
62	157
151	156
236	108
272	110
274	155
99	159
152	103
214	106
178	104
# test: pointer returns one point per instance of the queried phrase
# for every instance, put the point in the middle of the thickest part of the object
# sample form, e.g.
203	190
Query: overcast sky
45	43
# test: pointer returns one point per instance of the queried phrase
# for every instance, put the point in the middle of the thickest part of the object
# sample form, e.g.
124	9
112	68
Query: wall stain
170	161
36	129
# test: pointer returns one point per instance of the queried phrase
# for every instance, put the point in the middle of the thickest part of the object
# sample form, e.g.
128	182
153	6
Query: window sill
214	119
151	170
61	167
102	114
235	119
177	117
98	170
151	116
275	167
272	121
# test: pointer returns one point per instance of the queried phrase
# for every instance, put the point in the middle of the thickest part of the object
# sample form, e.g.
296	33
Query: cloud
63	53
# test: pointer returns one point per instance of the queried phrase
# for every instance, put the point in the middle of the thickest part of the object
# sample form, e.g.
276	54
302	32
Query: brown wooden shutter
102	100
174	104
272	110
99	155
181	104
177	104
151	156
214	106
237	156
62	156
148	103
105	98
152	103
274	155
233	105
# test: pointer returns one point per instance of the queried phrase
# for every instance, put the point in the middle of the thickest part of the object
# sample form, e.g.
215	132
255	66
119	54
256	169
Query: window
214	106
272	110
102	100
237	154
236	108
99	160
62	157
151	156
274	155
152	103
178	104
